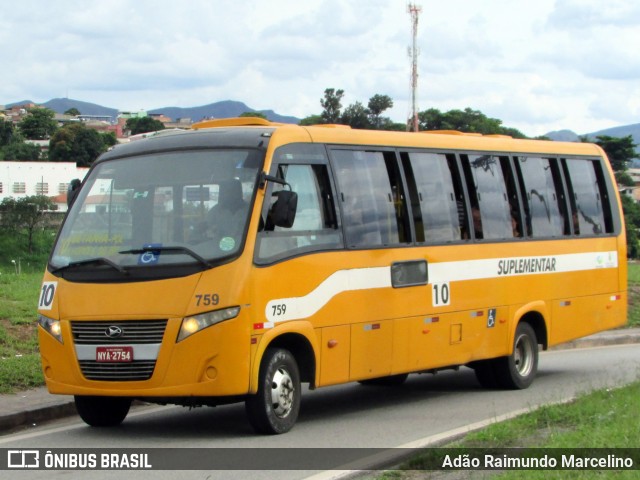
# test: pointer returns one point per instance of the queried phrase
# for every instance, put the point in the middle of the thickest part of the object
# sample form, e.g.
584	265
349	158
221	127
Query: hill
622	131
223	109
61	105
563	136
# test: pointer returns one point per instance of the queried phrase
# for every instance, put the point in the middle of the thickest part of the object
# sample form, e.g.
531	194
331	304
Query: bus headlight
51	326
191	325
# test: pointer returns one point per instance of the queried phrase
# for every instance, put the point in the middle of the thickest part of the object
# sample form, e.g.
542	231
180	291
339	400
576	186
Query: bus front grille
117	372
131	332
145	333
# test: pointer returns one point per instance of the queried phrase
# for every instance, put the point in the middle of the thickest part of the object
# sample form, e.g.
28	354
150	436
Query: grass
634	294
602	419
19	357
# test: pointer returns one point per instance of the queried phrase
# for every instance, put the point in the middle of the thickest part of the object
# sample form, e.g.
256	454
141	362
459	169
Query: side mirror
72	191
283	211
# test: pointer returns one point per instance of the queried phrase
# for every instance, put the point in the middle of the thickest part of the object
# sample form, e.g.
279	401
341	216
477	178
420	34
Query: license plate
114	354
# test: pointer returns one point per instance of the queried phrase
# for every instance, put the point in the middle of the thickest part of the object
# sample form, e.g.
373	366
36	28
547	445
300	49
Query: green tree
311	120
253	114
356	116
619	150
467	120
20	152
77	143
74	112
377	105
8	133
331	105
38	124
143	125
23	216
631	211
109	139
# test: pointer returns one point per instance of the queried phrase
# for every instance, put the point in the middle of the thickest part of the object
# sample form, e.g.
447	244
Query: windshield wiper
92	261
169	250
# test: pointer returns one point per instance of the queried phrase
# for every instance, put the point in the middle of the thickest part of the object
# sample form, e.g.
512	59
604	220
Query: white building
23	179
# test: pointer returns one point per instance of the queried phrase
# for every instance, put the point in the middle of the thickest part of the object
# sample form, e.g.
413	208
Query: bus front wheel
517	371
274	409
102	411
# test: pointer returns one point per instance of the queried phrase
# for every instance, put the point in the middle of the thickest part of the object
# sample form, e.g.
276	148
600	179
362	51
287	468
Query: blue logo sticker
150	257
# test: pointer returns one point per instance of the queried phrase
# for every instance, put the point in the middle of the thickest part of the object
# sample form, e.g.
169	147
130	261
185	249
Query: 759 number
207	299
278	309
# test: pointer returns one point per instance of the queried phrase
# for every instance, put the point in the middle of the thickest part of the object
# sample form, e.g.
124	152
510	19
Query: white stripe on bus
295	308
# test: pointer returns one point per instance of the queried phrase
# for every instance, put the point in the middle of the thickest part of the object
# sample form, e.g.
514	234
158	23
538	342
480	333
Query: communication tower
414	10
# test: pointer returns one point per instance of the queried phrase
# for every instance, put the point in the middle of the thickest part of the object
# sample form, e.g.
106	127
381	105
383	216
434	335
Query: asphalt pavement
34	407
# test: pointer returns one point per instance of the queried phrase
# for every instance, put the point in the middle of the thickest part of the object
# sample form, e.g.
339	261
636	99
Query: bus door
296	277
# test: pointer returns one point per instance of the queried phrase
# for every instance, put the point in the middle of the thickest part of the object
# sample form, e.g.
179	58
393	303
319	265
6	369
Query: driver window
314	227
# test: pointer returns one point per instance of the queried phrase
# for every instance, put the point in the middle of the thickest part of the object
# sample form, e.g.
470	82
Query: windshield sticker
227	244
150	257
90	245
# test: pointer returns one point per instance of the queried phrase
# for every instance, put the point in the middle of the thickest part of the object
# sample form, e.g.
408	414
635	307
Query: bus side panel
578	317
446	339
371	347
335	354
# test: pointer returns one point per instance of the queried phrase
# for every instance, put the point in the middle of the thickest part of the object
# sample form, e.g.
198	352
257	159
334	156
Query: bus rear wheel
274	409
517	371
102	411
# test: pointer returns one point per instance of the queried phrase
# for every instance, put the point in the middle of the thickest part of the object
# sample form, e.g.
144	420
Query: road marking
389	457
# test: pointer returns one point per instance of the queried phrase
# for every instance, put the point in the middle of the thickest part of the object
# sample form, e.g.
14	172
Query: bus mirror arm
72	190
265	177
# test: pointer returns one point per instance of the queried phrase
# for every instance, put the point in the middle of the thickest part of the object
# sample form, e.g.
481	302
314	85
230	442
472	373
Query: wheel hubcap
523	356
282	393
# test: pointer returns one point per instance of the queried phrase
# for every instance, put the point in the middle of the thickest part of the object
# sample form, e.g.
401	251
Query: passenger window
491	211
543	197
585	191
314	227
436	199
373	202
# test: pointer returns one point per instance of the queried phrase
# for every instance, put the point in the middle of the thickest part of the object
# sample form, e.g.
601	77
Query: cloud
537	66
589	14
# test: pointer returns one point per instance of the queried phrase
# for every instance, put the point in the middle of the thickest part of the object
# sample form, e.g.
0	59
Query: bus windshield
162	210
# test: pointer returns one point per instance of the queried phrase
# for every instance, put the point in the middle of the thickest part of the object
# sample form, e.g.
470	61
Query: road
345	416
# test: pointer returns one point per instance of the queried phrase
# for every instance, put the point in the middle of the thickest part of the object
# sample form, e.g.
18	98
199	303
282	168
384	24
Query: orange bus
235	261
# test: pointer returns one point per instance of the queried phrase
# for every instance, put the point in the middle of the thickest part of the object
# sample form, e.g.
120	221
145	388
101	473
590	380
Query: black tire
485	373
517	371
274	409
390	381
102	411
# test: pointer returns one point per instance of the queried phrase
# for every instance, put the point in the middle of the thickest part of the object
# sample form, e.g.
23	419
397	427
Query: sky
538	66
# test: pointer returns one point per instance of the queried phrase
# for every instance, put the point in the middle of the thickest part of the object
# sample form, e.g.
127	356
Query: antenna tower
414	10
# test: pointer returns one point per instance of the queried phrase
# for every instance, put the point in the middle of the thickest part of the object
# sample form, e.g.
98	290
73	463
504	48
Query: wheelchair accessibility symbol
149	257
491	318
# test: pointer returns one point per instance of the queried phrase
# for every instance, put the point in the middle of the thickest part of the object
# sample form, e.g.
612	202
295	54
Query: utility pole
414	10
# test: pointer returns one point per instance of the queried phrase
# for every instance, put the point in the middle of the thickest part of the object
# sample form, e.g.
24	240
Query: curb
614	337
37	406
33	416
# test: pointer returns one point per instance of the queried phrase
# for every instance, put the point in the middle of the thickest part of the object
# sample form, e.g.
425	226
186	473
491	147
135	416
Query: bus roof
443	139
